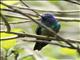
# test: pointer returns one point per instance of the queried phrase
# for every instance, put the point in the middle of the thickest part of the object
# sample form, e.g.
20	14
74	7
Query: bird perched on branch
50	21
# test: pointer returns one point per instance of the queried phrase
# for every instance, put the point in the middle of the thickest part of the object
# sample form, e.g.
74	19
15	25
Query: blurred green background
69	30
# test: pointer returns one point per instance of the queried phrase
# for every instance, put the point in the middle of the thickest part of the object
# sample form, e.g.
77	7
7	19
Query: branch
77	2
26	20
36	36
9	38
16	12
63	19
49	43
68	19
29	7
6	22
54	11
18	35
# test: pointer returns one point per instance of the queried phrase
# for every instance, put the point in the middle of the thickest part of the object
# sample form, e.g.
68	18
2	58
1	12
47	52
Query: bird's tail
40	45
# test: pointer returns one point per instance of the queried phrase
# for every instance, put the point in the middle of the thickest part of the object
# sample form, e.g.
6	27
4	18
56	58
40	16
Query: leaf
67	51
54	2
28	58
8	2
8	43
50	58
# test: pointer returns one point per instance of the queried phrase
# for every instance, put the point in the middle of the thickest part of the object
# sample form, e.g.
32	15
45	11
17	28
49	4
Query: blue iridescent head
48	19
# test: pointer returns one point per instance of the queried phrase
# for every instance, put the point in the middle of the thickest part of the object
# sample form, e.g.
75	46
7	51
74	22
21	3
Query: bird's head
48	19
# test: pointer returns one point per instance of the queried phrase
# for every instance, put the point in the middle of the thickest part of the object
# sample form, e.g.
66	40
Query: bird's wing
58	28
38	31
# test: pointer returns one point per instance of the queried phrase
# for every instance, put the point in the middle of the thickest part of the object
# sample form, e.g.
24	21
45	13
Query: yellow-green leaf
8	43
67	51
8	2
28	58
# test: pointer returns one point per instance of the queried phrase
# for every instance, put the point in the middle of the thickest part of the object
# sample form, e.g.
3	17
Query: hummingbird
50	21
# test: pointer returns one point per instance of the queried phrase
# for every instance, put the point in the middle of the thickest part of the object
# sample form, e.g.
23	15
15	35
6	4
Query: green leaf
68	51
8	2
28	58
54	2
8	43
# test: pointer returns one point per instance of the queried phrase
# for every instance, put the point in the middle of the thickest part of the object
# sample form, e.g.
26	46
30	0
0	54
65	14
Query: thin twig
78	49
9	38
72	1
63	19
55	11
36	36
33	36
36	40
6	23
29	7
49	43
68	19
16	12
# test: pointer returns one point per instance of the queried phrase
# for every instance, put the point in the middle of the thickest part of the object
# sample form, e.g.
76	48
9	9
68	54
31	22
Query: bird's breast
46	32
